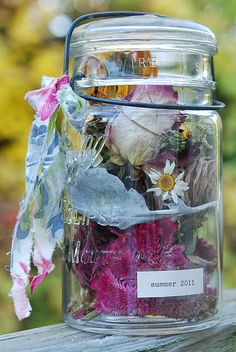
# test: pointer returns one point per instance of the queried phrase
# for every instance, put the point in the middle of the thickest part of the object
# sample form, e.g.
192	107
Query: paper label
169	283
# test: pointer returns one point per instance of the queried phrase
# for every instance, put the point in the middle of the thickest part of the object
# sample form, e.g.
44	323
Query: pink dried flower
182	160
93	240
144	247
113	294
154	94
205	250
191	308
142	128
78	315
205	255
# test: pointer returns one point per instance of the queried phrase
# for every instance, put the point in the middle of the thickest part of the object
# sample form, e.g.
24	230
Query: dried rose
135	134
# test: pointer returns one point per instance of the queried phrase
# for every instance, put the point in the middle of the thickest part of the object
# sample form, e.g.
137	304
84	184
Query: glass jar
143	201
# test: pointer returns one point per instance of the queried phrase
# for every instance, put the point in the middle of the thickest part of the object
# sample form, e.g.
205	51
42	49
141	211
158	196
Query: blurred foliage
28	50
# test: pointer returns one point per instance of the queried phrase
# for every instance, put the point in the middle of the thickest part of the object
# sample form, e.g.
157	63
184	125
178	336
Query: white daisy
167	185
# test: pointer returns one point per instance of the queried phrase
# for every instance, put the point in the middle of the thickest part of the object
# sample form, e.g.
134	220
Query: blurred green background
31	44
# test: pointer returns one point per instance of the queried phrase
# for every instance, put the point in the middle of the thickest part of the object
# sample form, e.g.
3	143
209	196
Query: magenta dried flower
205	250
206	255
92	239
189	308
113	295
144	247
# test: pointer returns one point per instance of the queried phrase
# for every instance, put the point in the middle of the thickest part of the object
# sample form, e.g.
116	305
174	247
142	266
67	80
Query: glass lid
158	31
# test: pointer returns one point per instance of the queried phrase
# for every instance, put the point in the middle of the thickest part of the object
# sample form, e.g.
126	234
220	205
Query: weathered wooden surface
65	339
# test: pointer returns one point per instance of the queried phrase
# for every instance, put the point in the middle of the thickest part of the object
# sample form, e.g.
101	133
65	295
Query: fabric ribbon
45	100
39	226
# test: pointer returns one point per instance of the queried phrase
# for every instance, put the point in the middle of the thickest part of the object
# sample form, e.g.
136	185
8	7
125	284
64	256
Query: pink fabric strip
44	100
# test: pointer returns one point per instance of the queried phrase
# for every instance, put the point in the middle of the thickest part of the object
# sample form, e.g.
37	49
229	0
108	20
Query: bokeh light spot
58	26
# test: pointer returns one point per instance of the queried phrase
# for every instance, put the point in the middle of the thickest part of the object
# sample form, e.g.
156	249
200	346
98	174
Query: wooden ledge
65	339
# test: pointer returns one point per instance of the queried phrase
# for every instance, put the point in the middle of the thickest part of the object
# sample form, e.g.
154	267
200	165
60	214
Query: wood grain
59	337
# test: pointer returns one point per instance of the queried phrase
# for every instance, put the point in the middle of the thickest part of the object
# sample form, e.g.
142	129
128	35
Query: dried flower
144	247
201	178
93	240
167	185
190	308
205	250
176	141
141	128
205	255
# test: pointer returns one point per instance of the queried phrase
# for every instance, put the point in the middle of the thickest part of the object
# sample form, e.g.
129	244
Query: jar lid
131	32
